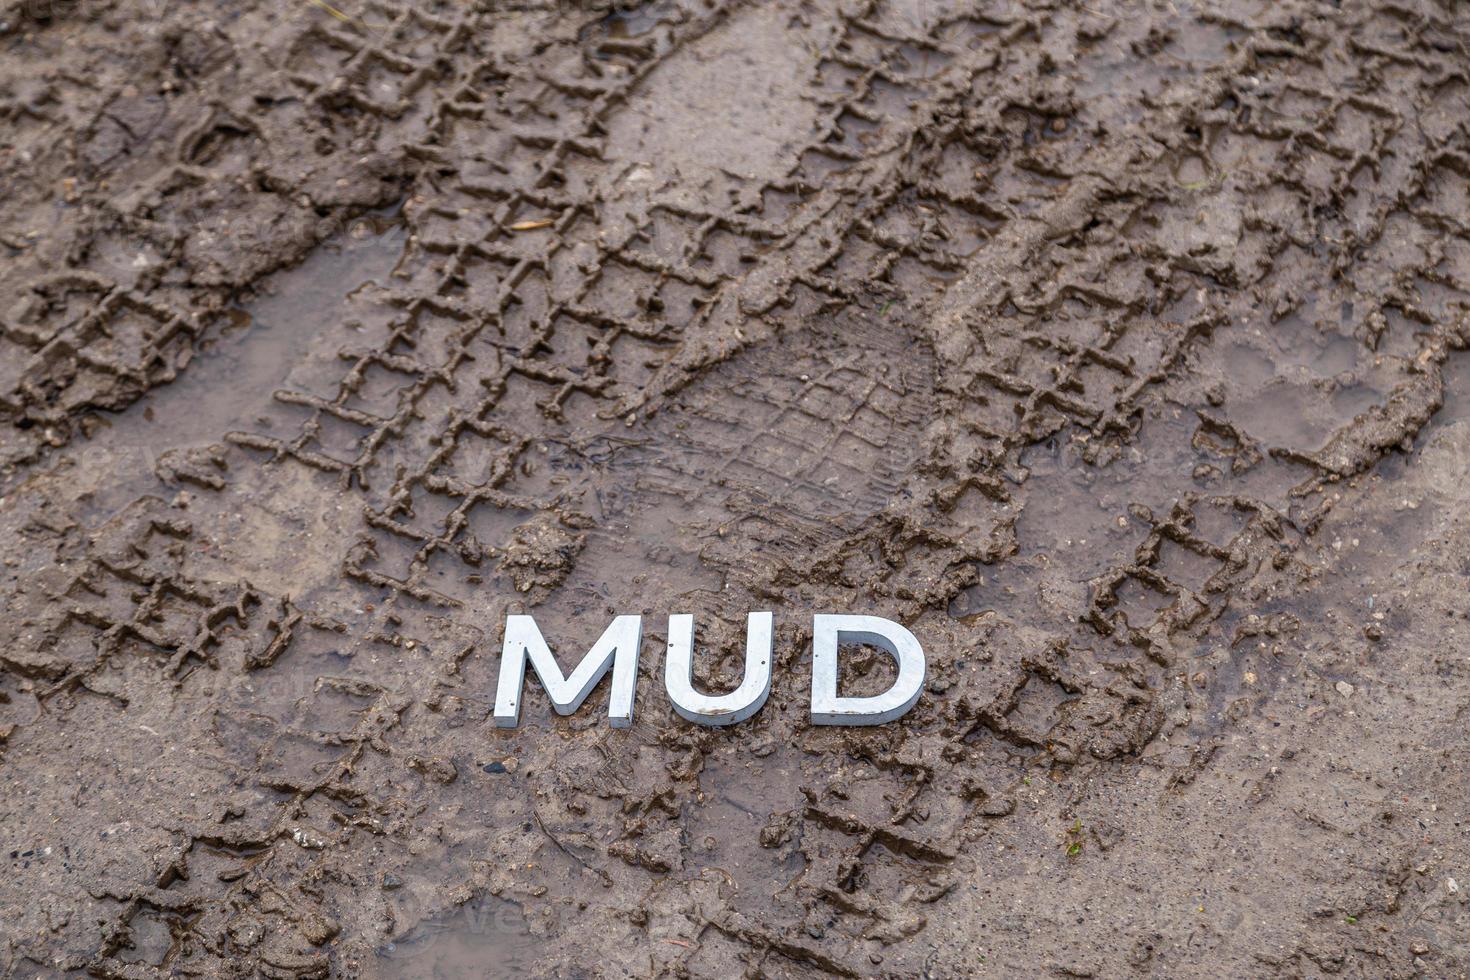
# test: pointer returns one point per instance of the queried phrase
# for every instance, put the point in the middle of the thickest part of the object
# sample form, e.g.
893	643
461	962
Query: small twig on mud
344	18
606	878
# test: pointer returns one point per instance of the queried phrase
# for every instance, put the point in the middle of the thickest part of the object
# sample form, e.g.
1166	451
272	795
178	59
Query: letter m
616	648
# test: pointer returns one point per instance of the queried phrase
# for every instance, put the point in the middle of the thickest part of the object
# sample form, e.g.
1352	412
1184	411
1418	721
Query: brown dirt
1115	348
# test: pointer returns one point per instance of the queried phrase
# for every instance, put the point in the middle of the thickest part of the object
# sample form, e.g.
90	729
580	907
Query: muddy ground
1114	348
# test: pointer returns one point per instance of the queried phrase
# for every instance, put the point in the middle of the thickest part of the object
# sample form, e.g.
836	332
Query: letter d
829	633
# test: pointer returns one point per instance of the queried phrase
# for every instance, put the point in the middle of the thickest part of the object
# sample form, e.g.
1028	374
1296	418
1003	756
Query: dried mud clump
541	554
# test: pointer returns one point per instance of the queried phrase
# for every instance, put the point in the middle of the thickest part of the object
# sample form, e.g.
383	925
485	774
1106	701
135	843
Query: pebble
308	840
1344	688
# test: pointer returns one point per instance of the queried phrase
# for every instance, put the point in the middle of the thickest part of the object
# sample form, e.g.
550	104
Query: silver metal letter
617	648
726	709
830	632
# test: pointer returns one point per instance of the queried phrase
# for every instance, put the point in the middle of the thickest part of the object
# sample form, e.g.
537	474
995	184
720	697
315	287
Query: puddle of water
1283	414
1456	391
1249	367
230	382
1293	383
486	939
1070	521
637	21
152	940
1353	400
1336	354
233	377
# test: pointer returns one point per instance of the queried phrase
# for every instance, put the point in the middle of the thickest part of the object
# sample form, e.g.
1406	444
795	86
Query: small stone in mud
245	932
762	746
391	881
1344	688
308	839
998	806
318	928
1373	632
439	770
495	768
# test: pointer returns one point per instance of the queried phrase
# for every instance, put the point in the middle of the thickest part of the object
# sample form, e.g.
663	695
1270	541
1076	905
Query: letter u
726	709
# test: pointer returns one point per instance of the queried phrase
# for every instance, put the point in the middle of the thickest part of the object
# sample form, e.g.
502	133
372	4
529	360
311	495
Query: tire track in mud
116	300
1238	571
330	465
281	954
1068	295
801	243
718	378
1406	409
870	835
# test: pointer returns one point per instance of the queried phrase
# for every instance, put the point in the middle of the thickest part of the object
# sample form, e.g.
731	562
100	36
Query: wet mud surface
1116	349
